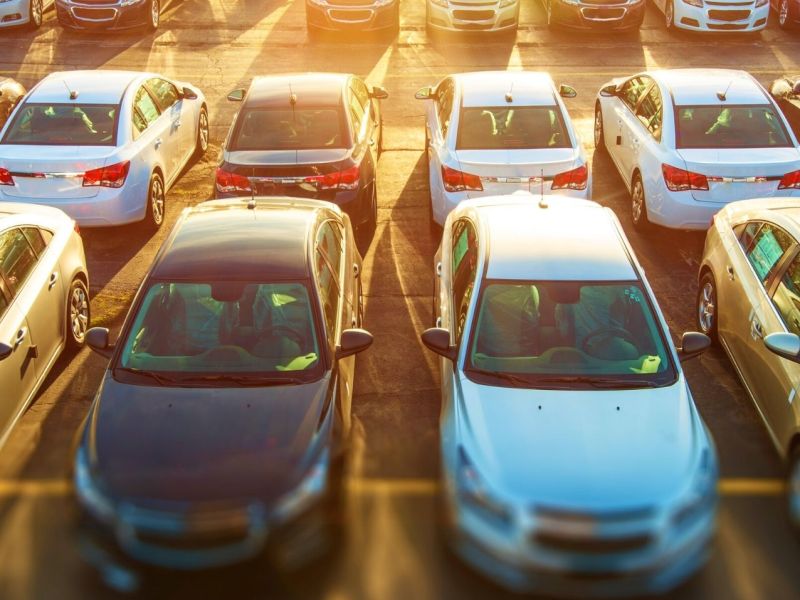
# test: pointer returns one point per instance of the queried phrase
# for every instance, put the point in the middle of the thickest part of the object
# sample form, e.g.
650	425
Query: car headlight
474	493
703	494
311	488
130	2
381	3
89	495
440	3
761	3
697	3
505	3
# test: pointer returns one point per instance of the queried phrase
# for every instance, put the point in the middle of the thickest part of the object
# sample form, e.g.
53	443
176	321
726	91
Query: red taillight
232	183
681	180
112	176
790	181
77	228
458	181
5	177
575	179
342	180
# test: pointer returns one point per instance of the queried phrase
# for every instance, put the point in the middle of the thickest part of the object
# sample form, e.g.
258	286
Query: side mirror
437	340
785	345
188	94
352	342
425	93
567	91
693	344
5	351
796	88
236	95
97	340
609	91
379	93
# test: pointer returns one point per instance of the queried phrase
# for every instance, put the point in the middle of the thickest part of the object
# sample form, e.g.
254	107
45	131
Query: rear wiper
600	382
162	380
243	380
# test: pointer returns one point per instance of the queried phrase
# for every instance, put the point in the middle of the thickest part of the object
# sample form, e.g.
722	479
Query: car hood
203	444
589	450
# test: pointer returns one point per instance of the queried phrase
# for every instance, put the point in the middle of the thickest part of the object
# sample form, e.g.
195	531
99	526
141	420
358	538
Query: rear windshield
501	128
756	126
64	124
288	129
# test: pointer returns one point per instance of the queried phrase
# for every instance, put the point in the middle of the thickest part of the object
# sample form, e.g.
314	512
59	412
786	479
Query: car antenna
542	201
509	93
722	96
73	94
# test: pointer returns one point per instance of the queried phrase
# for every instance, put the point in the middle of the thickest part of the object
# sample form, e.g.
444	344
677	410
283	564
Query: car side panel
17	371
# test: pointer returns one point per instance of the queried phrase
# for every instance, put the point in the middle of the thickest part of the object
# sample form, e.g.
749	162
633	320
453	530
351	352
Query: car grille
351	15
193	540
603	13
94	13
727	26
473	15
93	2
601	2
359	3
713	3
728	15
591	545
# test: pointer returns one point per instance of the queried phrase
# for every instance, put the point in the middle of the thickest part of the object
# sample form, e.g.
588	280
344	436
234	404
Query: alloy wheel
783	13
155	13
157	201
79	313
706	307
37	10
598	128
669	14
202	131
637	201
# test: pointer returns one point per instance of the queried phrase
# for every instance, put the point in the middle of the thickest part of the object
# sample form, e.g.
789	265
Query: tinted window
146	107
17	258
444	104
465	262
787	297
361	93
766	249
497	128
357	116
329	242
64	124
35	239
287	129
164	91
650	112
632	90
329	296
729	127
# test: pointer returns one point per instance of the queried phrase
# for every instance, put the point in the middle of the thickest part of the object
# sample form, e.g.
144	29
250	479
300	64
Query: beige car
749	299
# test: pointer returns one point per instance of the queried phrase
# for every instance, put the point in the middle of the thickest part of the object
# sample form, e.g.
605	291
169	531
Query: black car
352	15
316	135
110	14
219	430
595	14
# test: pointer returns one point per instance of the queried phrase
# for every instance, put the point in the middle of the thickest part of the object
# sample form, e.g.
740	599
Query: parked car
786	91
44	301
23	12
714	15
490	133
788	12
749	299
471	15
11	92
352	15
595	14
574	459
313	135
110	15
223	417
103	146
688	141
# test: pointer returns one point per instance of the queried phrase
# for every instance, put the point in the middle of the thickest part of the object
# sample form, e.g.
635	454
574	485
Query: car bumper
108	208
351	18
720	18
75	15
13	13
466	18
601	17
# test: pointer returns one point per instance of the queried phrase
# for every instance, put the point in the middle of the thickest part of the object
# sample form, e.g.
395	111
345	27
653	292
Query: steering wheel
606	332
284	331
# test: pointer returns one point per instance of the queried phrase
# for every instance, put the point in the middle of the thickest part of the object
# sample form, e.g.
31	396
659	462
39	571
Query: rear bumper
112	17
352	18
108	208
600	17
477	18
720	18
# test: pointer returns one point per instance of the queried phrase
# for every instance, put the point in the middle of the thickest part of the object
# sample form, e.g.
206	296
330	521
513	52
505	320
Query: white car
574	459
471	15
103	146
491	133
44	300
688	141
714	15
23	12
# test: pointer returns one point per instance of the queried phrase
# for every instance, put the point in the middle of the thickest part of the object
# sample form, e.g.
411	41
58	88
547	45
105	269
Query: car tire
153	15
35	13
599	134
669	15
548	14
793	488
78	315
706	306
156	202
785	16
639	204
201	144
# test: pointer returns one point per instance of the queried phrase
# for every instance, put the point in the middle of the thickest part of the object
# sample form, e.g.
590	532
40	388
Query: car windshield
63	124
559	334
196	331
721	126
503	128
288	129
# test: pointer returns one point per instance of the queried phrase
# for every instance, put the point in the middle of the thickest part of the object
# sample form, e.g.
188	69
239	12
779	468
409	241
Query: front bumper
349	18
13	13
471	17
622	15
722	15
111	16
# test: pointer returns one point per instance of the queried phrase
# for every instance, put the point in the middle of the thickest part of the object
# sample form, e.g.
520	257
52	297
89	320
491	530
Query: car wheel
599	137
793	488
201	145
707	305
785	15
35	13
154	15
548	13
638	204
78	314
669	15
156	202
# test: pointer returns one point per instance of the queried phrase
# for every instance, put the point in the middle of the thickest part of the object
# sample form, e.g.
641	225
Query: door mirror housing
97	340
567	91
425	93
609	91
236	95
379	93
352	342
693	344
5	351
437	339
188	93
785	345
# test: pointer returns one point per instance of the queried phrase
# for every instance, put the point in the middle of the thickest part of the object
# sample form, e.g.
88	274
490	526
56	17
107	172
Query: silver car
749	299
44	300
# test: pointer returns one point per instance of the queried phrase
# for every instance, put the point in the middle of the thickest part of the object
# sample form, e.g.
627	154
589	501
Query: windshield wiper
242	380
162	380
601	382
503	375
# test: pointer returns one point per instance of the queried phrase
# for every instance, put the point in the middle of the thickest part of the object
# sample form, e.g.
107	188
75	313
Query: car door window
35	239
444	104
650	111
3	304
632	90
329	243
329	296
787	296
164	92
465	261
356	114
766	248
17	259
360	91
145	110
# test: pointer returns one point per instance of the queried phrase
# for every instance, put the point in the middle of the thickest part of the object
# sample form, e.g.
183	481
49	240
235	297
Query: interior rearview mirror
97	340
785	345
236	95
379	93
352	342
609	90
425	93
5	351
693	343
188	93
437	340
567	91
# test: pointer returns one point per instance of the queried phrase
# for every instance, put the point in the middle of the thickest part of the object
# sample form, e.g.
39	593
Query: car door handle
371	142
159	141
53	279
755	330
177	123
20	336
439	269
731	274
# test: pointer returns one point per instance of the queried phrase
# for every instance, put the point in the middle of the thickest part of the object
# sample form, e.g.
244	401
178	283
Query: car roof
92	87
701	86
489	88
227	240
557	239
310	89
781	211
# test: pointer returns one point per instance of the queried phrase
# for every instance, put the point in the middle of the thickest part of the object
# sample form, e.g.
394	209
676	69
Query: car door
150	131
624	124
439	117
178	136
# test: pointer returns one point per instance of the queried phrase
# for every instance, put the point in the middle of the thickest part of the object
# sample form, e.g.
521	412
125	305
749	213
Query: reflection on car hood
203	444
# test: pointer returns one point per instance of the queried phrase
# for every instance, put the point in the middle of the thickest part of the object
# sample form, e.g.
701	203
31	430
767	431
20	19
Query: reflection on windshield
545	329
226	327
289	129
729	127
60	124
504	128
